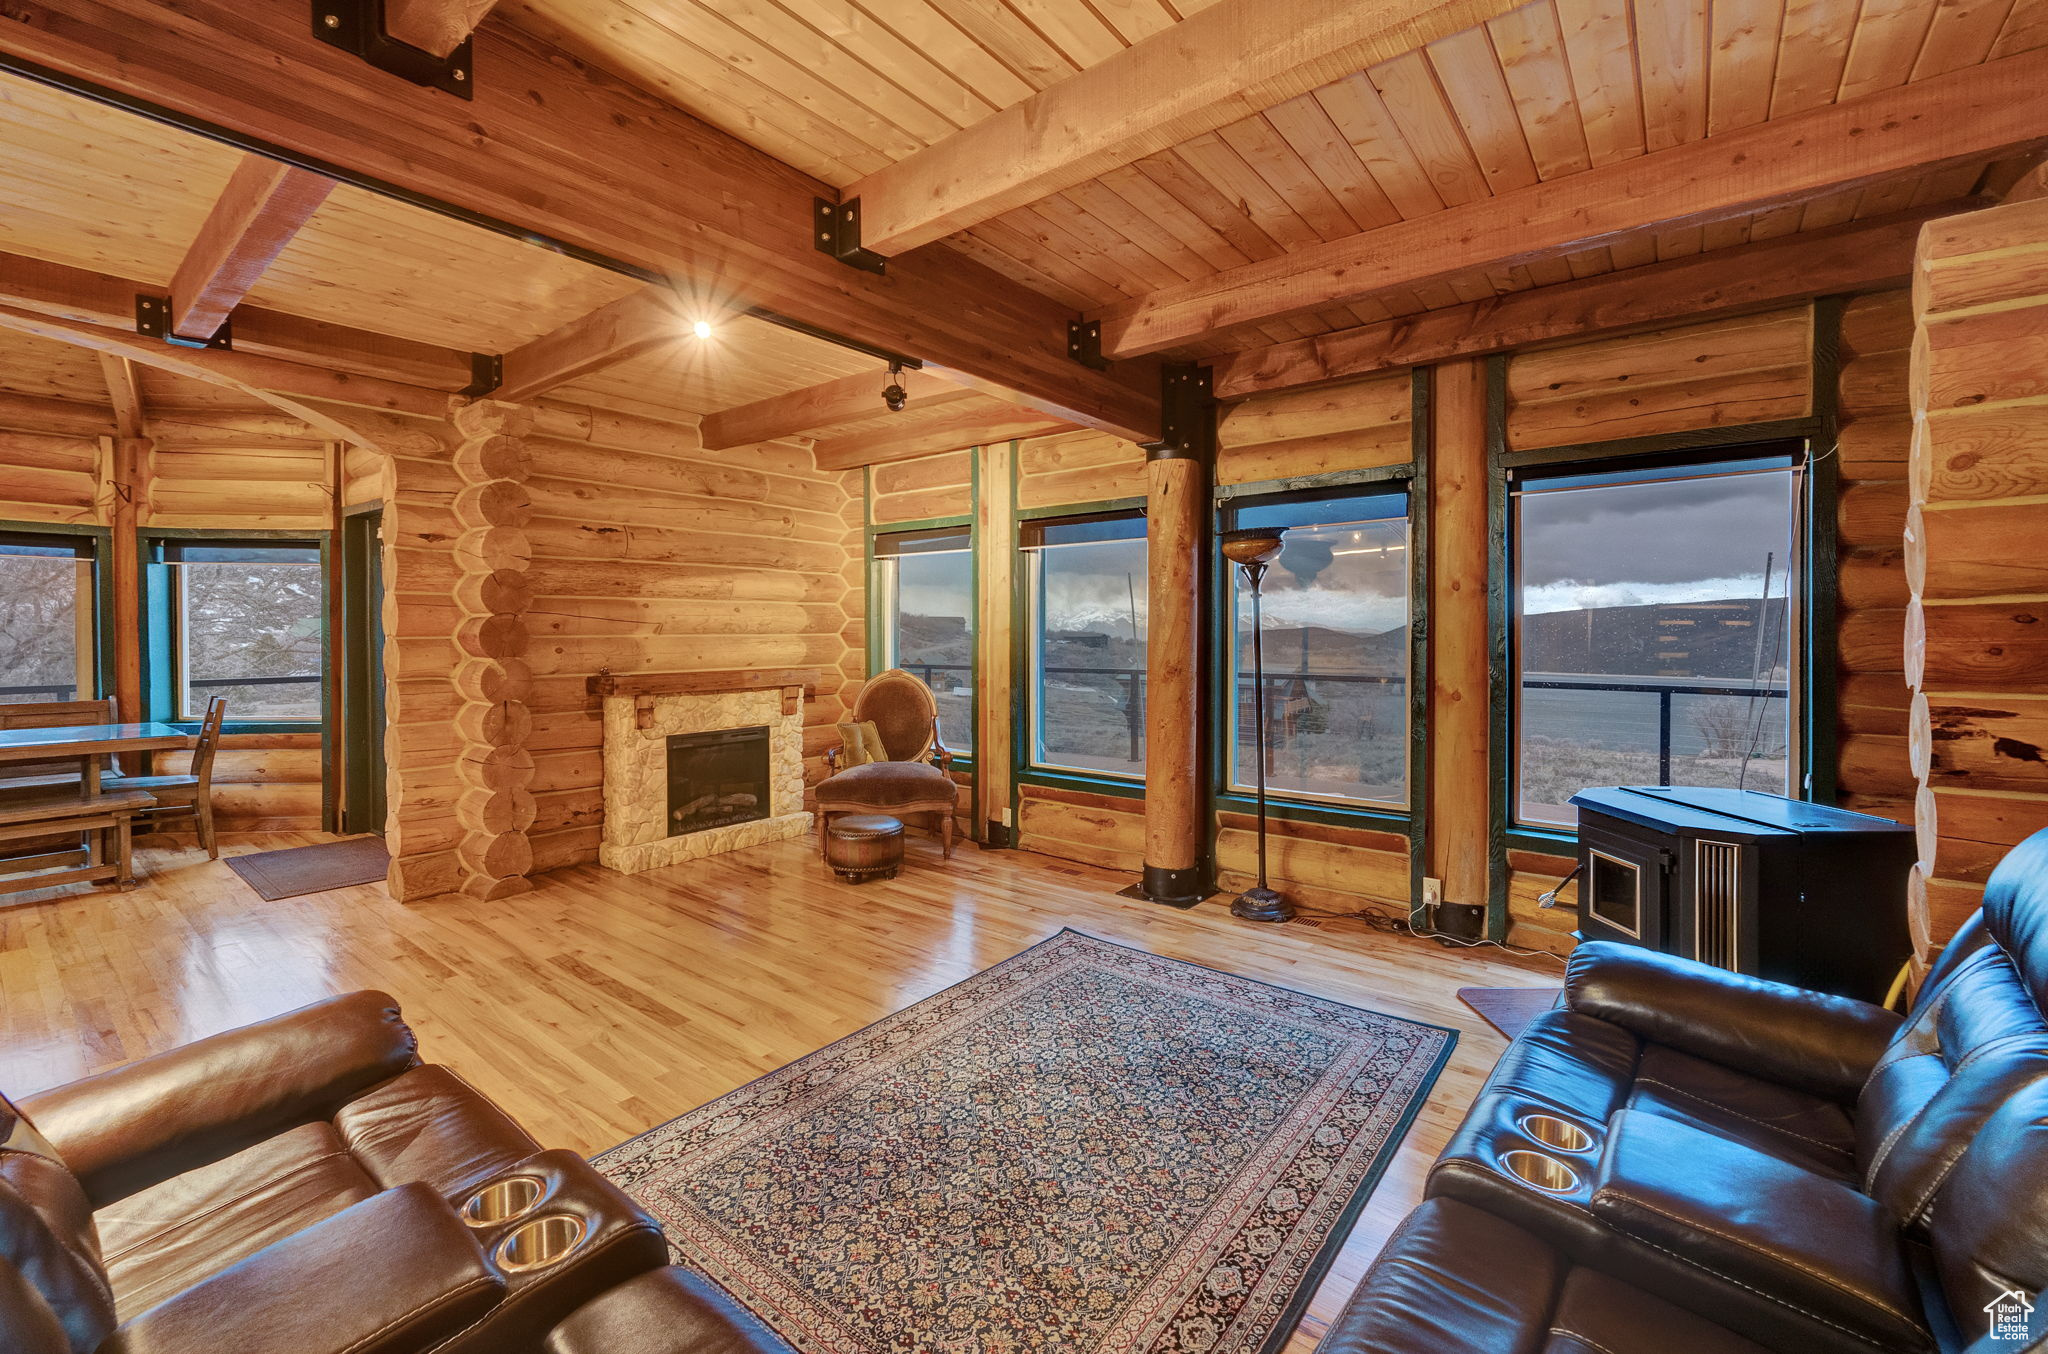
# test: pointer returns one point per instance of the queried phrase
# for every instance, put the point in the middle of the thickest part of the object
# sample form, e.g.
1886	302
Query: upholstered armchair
913	780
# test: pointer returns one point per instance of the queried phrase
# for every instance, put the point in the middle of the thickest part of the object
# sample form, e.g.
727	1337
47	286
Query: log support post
1976	628
1460	795
1178	515
495	806
127	487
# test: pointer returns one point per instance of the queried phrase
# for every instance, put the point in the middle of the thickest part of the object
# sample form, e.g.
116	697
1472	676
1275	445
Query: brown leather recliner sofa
307	1185
1683	1159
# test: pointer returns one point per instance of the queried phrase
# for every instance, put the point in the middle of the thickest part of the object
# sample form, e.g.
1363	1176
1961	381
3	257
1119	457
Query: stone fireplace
700	763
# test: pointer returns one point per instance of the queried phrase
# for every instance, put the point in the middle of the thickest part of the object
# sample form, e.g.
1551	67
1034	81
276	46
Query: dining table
34	802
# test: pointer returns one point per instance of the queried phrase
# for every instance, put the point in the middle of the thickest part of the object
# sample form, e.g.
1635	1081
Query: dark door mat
1510	1009
299	870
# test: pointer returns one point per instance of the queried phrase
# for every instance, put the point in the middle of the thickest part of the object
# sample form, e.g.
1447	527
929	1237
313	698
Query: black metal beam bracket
357	27
1084	343
153	320
837	232
486	373
1187	414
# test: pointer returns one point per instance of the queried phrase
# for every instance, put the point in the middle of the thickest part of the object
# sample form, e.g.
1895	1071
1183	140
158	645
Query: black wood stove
1774	887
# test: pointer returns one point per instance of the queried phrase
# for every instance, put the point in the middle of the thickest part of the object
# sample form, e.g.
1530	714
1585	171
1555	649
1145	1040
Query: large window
1656	629
924	597
1088	603
1336	645
245	623
46	617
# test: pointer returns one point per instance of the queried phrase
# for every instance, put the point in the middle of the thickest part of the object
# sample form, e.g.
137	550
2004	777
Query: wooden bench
103	820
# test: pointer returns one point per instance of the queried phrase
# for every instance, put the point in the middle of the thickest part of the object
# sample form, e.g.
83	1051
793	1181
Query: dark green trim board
1421	578
977	825
102	539
1498	678
363	806
1695	439
1821	658
872	658
1101	505
1335	479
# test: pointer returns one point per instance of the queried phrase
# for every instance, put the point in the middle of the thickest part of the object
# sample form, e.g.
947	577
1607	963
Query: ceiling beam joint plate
1084	343
486	373
153	320
838	233
357	27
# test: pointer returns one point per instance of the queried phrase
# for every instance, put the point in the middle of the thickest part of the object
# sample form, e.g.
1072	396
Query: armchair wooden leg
946	831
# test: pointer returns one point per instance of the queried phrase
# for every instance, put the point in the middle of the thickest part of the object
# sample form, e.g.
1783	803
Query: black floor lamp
1252	549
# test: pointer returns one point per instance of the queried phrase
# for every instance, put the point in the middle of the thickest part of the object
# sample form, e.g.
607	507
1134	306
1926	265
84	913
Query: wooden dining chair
16	777
58	714
192	792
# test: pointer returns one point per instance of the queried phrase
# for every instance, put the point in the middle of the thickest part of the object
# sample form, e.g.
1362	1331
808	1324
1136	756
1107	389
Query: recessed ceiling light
702	329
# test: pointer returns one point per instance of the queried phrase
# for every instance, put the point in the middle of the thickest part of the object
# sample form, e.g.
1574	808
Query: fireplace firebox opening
717	778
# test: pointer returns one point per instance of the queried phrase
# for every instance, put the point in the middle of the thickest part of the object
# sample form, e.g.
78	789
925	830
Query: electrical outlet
1432	900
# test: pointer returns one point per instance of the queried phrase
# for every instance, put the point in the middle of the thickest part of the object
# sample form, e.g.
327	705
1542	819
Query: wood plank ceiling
90	186
1554	88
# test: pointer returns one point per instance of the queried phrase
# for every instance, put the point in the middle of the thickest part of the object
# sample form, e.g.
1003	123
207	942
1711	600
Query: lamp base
1262	905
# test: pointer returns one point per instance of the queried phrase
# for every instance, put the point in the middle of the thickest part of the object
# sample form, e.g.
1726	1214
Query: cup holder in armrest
539	1242
1559	1135
502	1200
1539	1171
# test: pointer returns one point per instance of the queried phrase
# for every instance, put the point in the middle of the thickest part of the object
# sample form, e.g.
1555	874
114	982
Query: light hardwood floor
600	1004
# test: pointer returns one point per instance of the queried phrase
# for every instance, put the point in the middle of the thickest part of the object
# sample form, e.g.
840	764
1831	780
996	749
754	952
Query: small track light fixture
893	394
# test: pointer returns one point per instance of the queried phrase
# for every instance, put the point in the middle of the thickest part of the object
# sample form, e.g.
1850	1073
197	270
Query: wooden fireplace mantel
797	684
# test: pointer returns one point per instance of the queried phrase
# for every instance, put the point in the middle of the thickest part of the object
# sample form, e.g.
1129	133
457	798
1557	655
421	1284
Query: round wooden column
1176	791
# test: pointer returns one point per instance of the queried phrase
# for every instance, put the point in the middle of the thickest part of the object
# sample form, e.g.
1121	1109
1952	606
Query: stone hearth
636	733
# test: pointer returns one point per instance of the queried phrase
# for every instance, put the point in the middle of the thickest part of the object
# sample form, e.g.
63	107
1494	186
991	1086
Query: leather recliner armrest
1823	1044
664	1311
124	1130
395	1274
1788	1257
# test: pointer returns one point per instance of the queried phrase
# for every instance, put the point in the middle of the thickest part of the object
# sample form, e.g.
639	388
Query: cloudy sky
1674	541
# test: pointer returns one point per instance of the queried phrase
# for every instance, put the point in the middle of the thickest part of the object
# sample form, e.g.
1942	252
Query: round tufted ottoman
864	846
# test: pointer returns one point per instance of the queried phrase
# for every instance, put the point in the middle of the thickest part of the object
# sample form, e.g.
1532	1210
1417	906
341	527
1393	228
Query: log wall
1874	774
1975	652
923	488
1074	468
1727	372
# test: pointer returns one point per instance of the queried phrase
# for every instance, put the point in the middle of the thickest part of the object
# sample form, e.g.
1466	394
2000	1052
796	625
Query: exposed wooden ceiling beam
821	406
539	148
126	393
987	420
1207	71
436	26
1978	114
1860	256
263	206
645	320
242	370
101	299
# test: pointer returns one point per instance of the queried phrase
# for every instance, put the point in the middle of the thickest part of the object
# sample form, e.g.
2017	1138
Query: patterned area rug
1086	1148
